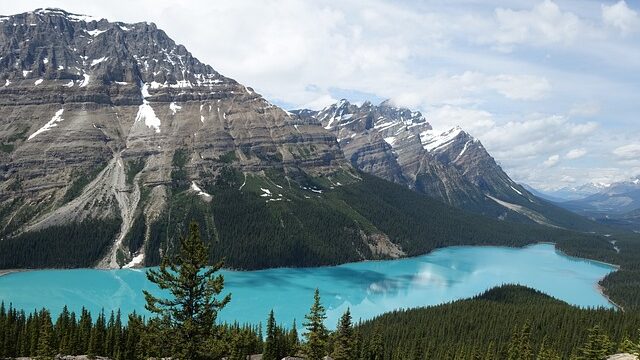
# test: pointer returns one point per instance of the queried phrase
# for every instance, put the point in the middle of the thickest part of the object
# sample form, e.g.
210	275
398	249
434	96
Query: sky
550	87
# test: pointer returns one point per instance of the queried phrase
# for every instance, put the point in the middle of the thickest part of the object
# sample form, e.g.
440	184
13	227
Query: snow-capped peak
432	141
70	16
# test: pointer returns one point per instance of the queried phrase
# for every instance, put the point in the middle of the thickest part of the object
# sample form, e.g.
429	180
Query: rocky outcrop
623	357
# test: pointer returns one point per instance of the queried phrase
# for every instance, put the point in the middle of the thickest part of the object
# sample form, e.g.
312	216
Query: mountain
114	137
400	145
99	119
616	204
570	193
615	199
542	194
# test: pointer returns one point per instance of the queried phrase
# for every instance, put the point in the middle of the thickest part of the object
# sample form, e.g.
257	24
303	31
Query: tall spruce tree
270	351
45	346
316	335
374	350
344	347
193	307
546	352
597	346
293	342
519	347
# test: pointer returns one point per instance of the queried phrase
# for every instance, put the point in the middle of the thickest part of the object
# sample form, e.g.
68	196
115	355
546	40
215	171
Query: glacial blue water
368	288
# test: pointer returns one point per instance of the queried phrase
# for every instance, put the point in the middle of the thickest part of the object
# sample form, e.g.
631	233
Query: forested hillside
510	322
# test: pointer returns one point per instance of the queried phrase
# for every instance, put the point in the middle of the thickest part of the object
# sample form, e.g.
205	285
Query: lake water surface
368	288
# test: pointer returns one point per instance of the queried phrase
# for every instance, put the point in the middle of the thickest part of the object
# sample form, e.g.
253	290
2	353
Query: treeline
510	322
60	246
36	335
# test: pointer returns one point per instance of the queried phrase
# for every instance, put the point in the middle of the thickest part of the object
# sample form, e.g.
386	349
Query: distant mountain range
617	203
569	193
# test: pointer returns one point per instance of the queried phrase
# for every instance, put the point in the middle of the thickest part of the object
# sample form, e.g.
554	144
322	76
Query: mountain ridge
400	145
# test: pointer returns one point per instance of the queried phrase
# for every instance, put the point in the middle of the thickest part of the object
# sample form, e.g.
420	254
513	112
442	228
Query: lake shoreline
11	271
561	252
370	288
601	289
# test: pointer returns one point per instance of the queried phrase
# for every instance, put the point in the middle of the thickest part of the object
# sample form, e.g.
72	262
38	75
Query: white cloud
516	141
576	153
473	121
552	161
516	87
319	103
469	87
544	24
628	152
621	17
585	109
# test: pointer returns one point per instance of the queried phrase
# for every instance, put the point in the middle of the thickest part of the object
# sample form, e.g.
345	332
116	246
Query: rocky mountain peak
400	145
103	119
77	53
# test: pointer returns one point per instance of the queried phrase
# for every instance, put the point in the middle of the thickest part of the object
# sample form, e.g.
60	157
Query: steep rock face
399	145
95	116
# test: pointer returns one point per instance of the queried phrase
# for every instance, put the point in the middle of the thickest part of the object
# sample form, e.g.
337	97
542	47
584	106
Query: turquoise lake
368	288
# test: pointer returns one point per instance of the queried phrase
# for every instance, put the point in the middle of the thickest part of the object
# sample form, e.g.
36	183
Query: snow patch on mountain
136	261
98	61
432	141
199	191
85	81
145	111
52	123
95	32
174	108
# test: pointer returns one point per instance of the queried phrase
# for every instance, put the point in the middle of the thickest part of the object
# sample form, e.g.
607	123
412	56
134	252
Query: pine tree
193	307
627	346
520	345
46	349
316	335
490	354
97	337
293	342
597	346
546	352
84	332
375	348
109	342
344	344
63	329
132	337
238	345
270	351
117	343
